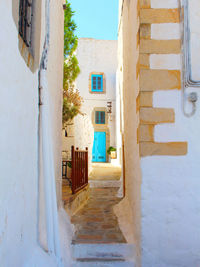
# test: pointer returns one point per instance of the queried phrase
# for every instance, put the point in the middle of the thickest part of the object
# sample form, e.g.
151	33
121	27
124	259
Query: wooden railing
79	169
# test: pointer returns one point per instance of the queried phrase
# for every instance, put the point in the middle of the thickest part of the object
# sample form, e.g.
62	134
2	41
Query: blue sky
96	19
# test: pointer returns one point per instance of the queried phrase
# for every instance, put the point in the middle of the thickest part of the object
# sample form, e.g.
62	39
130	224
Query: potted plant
112	152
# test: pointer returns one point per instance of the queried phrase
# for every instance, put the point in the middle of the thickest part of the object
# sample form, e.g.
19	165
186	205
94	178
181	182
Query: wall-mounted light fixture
109	107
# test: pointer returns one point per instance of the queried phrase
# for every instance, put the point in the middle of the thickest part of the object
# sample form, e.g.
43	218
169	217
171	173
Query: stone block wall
168	141
160	48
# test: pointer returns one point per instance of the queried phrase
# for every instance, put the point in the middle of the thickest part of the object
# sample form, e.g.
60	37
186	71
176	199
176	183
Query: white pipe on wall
46	141
48	170
186	60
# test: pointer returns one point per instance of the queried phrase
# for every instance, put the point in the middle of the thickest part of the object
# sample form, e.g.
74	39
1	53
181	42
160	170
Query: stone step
103	252
104	264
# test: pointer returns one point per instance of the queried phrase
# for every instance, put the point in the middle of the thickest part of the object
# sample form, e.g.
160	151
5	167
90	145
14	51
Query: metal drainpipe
45	132
186	60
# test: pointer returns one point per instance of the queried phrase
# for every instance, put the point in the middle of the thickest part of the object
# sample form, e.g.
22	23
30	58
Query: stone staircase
103	255
98	239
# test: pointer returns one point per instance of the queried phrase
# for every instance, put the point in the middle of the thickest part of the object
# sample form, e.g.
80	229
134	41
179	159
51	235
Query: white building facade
95	128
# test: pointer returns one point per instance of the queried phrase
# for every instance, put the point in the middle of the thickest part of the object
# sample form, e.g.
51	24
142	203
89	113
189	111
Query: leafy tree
70	39
71	98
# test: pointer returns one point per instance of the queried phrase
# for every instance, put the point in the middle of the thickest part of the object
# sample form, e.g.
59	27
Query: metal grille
25	20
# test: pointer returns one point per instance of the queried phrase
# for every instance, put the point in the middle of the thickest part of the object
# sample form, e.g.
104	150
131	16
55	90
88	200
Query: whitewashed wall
95	56
170	184
18	143
19	139
170	193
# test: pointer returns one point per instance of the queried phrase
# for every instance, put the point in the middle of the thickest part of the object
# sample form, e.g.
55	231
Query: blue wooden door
99	147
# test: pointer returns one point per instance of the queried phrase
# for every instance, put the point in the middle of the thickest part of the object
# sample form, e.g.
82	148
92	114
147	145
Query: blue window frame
97	83
100	117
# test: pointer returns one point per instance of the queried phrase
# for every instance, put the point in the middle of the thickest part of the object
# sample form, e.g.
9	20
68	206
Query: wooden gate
79	169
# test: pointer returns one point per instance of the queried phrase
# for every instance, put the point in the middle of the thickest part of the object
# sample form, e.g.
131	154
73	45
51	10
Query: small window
100	117
97	83
25	21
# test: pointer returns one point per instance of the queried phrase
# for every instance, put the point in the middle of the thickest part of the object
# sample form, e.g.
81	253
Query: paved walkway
105	171
96	221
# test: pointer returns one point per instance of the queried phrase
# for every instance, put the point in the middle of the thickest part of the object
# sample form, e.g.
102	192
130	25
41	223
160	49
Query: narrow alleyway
96	221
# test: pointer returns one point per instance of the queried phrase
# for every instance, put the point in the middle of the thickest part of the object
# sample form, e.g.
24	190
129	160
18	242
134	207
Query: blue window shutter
97	83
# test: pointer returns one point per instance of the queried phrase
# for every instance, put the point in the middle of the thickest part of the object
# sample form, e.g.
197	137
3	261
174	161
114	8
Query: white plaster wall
95	56
164	4
158	31
170	193
169	61
19	146
170	184
67	143
18	143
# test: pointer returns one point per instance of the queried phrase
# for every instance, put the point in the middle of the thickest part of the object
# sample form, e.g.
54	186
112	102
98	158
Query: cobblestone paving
96	221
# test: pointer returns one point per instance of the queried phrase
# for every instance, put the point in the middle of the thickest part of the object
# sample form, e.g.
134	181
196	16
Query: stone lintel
159	15
156	115
170	149
160	46
152	80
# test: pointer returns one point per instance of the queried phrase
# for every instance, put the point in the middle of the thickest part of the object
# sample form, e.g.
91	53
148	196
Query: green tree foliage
70	39
71	97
